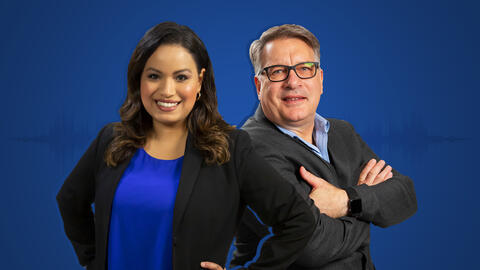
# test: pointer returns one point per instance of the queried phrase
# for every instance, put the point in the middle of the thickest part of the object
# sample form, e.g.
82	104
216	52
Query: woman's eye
153	76
181	77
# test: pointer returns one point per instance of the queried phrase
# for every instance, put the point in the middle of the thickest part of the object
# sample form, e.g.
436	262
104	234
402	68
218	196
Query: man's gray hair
282	31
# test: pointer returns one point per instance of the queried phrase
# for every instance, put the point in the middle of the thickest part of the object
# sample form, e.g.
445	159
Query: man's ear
320	73
258	85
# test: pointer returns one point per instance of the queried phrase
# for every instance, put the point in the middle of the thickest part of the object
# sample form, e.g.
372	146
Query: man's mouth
293	99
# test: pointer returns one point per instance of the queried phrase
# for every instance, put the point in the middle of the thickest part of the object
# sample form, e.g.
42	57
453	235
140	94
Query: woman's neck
166	142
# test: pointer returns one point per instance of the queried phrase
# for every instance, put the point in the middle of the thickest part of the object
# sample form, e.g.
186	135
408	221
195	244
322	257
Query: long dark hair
204	122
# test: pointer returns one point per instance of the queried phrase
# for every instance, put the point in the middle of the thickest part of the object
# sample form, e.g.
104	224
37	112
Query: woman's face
169	85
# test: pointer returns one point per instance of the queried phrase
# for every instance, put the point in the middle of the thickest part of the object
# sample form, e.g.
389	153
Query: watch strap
354	202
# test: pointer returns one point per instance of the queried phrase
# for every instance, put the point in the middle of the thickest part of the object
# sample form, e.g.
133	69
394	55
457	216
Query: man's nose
293	81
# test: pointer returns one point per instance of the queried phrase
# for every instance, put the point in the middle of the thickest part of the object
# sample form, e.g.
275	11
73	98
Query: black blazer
209	204
342	243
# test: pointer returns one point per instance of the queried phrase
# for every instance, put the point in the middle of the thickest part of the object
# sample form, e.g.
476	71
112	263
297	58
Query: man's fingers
366	170
311	179
211	266
383	175
374	172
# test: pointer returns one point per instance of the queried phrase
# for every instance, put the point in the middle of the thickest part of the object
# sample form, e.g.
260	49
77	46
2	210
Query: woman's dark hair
204	121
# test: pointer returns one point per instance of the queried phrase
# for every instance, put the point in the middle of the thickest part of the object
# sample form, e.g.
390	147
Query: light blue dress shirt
320	136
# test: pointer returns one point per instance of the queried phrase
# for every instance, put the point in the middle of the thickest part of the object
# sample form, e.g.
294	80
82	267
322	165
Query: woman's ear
200	76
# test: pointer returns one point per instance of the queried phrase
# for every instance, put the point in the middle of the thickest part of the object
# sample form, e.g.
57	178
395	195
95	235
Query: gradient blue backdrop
405	74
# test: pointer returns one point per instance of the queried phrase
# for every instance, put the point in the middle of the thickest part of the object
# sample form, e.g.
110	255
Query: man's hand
329	199
373	174
211	266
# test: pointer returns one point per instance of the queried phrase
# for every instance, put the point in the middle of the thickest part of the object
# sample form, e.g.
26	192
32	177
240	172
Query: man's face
291	103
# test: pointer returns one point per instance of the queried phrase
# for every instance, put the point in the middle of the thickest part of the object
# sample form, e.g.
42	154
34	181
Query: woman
171	181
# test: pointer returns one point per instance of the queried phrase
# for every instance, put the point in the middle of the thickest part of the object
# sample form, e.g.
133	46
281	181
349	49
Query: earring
199	94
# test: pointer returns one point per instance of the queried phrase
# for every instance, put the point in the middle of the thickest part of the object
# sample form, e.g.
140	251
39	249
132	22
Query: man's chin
295	121
289	116
298	116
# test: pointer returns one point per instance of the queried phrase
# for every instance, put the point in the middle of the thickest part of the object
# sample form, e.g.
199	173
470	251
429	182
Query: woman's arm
75	200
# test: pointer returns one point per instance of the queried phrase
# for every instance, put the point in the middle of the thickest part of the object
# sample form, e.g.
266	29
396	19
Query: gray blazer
341	243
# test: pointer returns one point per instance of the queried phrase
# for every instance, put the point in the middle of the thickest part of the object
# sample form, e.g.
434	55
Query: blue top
320	136
140	234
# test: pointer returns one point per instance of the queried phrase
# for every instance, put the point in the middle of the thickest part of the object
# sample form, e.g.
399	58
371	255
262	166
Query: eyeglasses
278	73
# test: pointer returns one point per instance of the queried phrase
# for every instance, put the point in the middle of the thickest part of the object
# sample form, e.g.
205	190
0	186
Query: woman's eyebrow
175	72
154	69
182	70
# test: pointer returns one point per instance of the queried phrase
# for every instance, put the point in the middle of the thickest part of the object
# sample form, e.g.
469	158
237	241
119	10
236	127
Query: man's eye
278	71
153	76
181	77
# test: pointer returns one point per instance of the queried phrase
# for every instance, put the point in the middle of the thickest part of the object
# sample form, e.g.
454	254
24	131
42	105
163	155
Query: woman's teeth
167	104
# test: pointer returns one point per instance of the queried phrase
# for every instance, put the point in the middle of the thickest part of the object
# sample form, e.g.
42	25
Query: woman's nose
168	87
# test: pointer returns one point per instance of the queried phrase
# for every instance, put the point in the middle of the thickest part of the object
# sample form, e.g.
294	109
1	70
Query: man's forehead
286	51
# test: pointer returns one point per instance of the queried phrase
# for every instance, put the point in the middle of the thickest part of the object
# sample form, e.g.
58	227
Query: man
325	159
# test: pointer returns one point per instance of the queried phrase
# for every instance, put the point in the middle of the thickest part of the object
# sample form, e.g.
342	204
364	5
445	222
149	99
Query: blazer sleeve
389	202
277	204
75	200
332	239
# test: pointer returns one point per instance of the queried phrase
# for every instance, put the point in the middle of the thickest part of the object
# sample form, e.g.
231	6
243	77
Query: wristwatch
354	203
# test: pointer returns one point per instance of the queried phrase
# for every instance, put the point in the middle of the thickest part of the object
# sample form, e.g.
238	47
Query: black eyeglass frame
265	69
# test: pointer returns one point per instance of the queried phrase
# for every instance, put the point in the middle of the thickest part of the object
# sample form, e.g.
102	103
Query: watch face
355	206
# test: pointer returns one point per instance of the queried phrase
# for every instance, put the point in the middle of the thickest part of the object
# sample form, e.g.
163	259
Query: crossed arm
333	238
387	198
385	203
333	201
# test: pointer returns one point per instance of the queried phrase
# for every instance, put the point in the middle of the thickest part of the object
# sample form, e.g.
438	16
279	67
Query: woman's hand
211	266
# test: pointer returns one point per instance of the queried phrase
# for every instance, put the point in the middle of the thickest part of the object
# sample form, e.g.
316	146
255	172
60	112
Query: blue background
405	74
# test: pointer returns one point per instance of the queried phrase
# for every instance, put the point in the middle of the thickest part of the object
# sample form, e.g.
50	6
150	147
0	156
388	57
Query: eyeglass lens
303	70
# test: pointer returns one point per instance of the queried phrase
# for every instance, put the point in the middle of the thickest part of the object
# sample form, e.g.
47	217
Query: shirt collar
320	136
320	125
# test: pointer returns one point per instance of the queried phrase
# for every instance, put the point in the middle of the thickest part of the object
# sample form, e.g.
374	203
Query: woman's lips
167	105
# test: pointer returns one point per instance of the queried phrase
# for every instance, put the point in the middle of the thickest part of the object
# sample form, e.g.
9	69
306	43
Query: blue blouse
140	234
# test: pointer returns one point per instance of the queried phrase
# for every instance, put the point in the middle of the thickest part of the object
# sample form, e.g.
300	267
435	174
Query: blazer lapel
324	169
115	175
260	116
103	206
338	151
333	144
192	162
